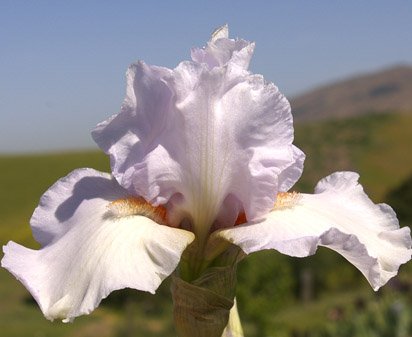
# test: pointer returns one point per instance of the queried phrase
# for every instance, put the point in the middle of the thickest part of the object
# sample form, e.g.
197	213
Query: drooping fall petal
204	136
339	216
92	245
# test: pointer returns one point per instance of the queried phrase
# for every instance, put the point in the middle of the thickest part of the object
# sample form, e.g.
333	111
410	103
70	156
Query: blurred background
347	70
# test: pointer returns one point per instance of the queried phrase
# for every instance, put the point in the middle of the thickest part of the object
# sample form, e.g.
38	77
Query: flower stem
203	294
202	308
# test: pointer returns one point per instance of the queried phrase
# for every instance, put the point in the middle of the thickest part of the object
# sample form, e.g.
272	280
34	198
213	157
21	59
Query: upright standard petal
95	241
220	50
339	216
197	137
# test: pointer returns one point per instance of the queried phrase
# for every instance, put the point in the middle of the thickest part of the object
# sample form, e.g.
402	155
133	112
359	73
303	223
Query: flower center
241	219
286	200
283	200
137	206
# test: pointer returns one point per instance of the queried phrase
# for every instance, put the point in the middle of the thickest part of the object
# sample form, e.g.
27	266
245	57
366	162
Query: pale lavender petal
339	216
221	51
203	136
290	175
89	250
133	133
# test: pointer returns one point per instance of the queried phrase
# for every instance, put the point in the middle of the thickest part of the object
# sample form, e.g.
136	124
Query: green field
377	146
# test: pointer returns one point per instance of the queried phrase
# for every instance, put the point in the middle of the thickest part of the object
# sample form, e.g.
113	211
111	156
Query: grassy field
376	146
25	178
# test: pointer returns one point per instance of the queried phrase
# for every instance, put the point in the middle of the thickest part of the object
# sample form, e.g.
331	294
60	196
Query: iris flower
202	161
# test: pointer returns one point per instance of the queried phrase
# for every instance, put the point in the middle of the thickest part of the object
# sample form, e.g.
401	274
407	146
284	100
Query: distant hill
389	90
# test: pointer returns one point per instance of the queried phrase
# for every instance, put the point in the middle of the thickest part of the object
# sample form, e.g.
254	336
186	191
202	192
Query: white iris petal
339	216
88	251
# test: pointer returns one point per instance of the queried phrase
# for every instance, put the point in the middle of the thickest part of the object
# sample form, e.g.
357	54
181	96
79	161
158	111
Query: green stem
203	293
202	308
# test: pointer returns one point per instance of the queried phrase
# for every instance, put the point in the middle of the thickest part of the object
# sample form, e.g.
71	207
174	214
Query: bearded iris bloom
202	163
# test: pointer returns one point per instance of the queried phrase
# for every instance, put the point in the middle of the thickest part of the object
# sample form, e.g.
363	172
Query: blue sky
62	63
